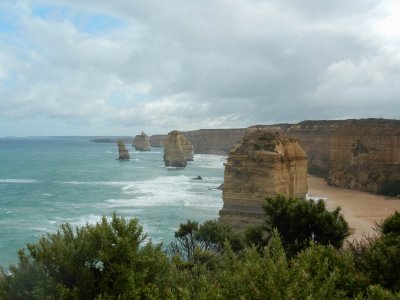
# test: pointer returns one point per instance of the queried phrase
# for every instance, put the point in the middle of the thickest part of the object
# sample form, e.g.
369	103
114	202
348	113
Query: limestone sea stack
263	164
173	152
141	142
123	153
187	148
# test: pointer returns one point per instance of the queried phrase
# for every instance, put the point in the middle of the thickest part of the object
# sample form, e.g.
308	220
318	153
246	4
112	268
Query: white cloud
189	64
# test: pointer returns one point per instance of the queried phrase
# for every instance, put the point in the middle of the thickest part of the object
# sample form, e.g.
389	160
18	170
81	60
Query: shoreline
360	209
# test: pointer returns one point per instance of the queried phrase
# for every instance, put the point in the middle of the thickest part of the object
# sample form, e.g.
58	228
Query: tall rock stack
263	164
174	155
123	153
141	142
187	148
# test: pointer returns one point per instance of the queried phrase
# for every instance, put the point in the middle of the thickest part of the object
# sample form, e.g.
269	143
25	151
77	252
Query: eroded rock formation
262	165
122	151
187	148
174	155
141	142
358	154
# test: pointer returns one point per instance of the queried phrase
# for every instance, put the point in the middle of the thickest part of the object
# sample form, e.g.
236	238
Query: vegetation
390	188
115	260
300	222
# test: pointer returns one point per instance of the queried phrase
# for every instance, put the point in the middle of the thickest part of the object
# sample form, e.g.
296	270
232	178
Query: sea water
45	182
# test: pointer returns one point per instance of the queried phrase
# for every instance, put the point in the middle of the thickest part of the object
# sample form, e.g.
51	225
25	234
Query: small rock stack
123	153
141	142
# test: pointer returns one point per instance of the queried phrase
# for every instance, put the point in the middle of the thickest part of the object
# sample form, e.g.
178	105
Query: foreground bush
108	259
300	222
113	260
209	236
377	257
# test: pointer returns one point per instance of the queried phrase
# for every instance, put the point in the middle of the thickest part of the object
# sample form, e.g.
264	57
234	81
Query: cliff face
141	142
173	152
214	141
157	140
262	165
123	153
206	141
357	154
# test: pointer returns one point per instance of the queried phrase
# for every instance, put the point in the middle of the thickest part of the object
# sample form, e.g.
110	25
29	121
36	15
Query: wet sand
360	209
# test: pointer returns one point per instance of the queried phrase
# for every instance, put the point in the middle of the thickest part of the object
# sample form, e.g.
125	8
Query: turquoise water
45	182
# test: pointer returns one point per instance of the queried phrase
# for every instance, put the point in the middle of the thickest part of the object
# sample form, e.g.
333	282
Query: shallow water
45	182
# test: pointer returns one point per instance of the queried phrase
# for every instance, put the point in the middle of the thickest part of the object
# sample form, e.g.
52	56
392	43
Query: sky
101	67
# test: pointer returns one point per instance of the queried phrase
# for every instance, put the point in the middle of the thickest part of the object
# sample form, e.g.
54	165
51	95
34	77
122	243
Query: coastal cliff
157	140
357	154
263	164
141	142
214	141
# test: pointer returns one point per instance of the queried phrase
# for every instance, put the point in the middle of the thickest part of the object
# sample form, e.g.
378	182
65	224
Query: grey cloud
209	63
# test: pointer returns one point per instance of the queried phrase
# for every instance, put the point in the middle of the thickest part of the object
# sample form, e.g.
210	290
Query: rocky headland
123	153
141	142
358	154
263	164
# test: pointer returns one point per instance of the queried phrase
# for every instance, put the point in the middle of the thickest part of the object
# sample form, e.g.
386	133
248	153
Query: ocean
45	182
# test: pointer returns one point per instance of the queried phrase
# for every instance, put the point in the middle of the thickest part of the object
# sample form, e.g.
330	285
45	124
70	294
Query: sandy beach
360	209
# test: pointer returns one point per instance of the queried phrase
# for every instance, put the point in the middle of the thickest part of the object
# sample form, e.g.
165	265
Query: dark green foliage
107	259
377	257
300	221
390	188
256	236
28	281
381	262
319	272
209	236
112	260
391	224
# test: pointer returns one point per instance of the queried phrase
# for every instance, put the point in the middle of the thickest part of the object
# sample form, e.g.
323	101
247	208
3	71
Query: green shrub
390	188
209	236
108	259
300	221
391	224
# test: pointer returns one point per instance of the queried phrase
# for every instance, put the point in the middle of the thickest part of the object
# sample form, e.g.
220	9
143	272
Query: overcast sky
101	67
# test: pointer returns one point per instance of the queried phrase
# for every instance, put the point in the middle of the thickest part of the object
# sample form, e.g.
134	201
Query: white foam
315	198
210	161
47	195
112	183
175	191
18	181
